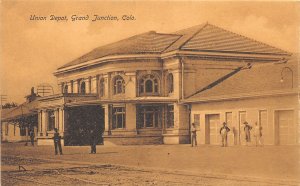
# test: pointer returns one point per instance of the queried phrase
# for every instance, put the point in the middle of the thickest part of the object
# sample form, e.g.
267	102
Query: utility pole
44	89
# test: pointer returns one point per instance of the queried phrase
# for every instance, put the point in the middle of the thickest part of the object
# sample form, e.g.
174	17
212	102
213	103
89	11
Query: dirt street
150	165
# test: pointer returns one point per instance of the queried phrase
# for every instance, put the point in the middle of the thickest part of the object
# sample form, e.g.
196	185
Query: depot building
149	88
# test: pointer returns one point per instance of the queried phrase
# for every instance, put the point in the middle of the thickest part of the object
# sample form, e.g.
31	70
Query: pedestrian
247	129
57	142
193	135
223	131
31	134
257	134
93	141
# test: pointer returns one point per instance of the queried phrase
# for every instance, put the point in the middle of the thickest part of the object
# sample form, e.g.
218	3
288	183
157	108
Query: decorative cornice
215	55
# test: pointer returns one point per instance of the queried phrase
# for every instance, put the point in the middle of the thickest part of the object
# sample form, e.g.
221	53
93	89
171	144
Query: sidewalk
269	162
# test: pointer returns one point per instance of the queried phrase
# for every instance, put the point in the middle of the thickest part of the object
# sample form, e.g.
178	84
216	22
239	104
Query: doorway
284	127
80	121
212	127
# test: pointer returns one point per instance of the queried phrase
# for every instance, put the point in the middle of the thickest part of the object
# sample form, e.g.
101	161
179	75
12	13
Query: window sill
118	129
144	95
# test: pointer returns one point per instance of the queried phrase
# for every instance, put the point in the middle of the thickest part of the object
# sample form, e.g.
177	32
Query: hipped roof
205	38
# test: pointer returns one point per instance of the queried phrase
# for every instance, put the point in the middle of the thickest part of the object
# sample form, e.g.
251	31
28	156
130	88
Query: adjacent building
17	122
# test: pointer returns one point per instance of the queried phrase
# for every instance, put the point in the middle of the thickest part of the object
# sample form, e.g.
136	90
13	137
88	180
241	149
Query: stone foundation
48	141
175	139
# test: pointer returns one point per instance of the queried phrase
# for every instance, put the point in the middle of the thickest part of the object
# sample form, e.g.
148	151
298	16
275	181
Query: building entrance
80	121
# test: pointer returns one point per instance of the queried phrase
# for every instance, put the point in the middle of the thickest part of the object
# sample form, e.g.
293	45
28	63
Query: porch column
107	86
75	87
69	87
61	119
44	122
40	129
94	85
106	119
88	85
56	116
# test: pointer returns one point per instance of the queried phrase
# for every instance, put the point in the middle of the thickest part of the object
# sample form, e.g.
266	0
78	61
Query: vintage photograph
97	92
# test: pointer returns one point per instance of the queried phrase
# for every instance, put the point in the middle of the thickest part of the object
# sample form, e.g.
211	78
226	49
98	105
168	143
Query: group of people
93	141
224	132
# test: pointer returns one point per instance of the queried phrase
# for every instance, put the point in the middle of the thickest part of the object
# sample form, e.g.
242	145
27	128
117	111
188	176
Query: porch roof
146	99
23	110
260	80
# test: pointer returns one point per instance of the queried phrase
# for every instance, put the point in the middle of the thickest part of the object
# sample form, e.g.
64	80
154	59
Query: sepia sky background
32	50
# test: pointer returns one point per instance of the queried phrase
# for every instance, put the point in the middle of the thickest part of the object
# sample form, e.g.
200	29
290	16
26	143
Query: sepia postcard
97	92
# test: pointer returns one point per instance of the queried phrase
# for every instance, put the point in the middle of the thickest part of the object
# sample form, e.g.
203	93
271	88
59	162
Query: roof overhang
138	100
214	55
240	96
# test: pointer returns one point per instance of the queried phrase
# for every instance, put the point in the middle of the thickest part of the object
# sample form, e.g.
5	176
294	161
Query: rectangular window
197	120
148	116
118	117
170	116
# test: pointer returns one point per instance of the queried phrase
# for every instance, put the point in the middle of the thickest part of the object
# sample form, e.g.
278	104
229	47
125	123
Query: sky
32	50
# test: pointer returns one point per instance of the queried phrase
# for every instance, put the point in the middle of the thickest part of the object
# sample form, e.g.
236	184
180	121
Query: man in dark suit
93	140
57	142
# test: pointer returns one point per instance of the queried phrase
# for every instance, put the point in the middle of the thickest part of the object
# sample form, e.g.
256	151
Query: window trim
115	114
170	83
66	88
156	116
101	87
142	88
120	79
167	117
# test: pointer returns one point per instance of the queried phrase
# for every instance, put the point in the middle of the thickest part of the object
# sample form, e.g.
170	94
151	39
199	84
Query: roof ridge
180	36
193	35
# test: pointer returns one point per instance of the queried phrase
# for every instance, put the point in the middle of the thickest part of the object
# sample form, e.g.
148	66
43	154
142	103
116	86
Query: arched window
82	88
148	85
119	85
170	83
65	89
101	87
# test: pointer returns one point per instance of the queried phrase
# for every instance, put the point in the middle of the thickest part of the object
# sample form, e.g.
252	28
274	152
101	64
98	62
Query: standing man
32	136
93	141
257	134
247	130
223	131
57	142
193	135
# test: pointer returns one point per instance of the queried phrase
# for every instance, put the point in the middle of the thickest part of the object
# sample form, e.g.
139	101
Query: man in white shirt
193	135
257	134
223	131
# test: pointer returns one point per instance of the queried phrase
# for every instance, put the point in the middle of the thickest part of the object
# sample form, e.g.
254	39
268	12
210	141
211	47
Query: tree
9	105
